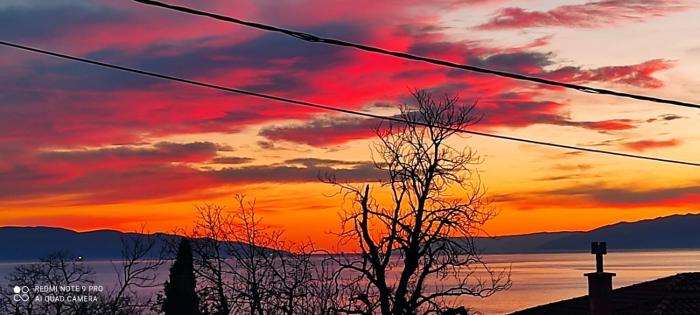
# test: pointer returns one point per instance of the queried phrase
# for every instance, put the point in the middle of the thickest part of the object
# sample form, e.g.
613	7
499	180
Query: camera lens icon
21	293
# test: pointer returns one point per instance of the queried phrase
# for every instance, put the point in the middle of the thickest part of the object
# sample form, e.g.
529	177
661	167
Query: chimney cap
599	248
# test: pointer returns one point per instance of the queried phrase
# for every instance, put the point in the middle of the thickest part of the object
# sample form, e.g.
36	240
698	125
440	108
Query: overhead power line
337	42
336	109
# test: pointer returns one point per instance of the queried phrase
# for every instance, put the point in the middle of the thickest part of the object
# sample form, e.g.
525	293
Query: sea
536	278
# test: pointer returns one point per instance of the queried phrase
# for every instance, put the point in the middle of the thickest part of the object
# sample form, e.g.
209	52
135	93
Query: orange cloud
644	145
591	14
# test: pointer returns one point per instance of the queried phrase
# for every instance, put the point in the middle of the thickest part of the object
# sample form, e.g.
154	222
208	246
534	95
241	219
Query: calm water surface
537	278
544	278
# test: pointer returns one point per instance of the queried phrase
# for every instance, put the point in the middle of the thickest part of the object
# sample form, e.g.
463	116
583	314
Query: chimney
600	283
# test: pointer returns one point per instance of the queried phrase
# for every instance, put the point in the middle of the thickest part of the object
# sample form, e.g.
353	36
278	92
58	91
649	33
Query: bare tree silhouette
56	269
137	269
245	267
416	250
29	275
252	272
210	247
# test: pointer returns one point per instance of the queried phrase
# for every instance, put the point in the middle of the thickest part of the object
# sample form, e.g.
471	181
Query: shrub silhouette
180	295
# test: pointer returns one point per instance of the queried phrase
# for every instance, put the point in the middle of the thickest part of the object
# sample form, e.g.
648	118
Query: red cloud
513	109
131	156
324	132
612	124
591	14
66	104
78	185
47	104
639	75
644	145
113	183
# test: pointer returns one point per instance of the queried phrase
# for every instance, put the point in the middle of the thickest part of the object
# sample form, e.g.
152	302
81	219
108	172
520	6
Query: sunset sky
88	148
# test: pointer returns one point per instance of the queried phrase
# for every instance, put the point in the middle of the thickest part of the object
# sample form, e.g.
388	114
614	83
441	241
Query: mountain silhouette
671	232
32	243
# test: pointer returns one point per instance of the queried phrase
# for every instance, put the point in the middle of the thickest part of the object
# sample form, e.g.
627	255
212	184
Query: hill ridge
664	232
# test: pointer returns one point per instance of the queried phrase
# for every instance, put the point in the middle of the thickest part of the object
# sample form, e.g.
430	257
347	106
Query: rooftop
674	295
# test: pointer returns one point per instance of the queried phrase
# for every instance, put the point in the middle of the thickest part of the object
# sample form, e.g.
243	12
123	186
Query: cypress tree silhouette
180	295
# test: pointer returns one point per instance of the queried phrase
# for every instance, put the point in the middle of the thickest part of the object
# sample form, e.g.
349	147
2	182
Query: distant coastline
675	232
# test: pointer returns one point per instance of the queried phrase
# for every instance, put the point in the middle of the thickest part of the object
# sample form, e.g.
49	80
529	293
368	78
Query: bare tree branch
425	235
